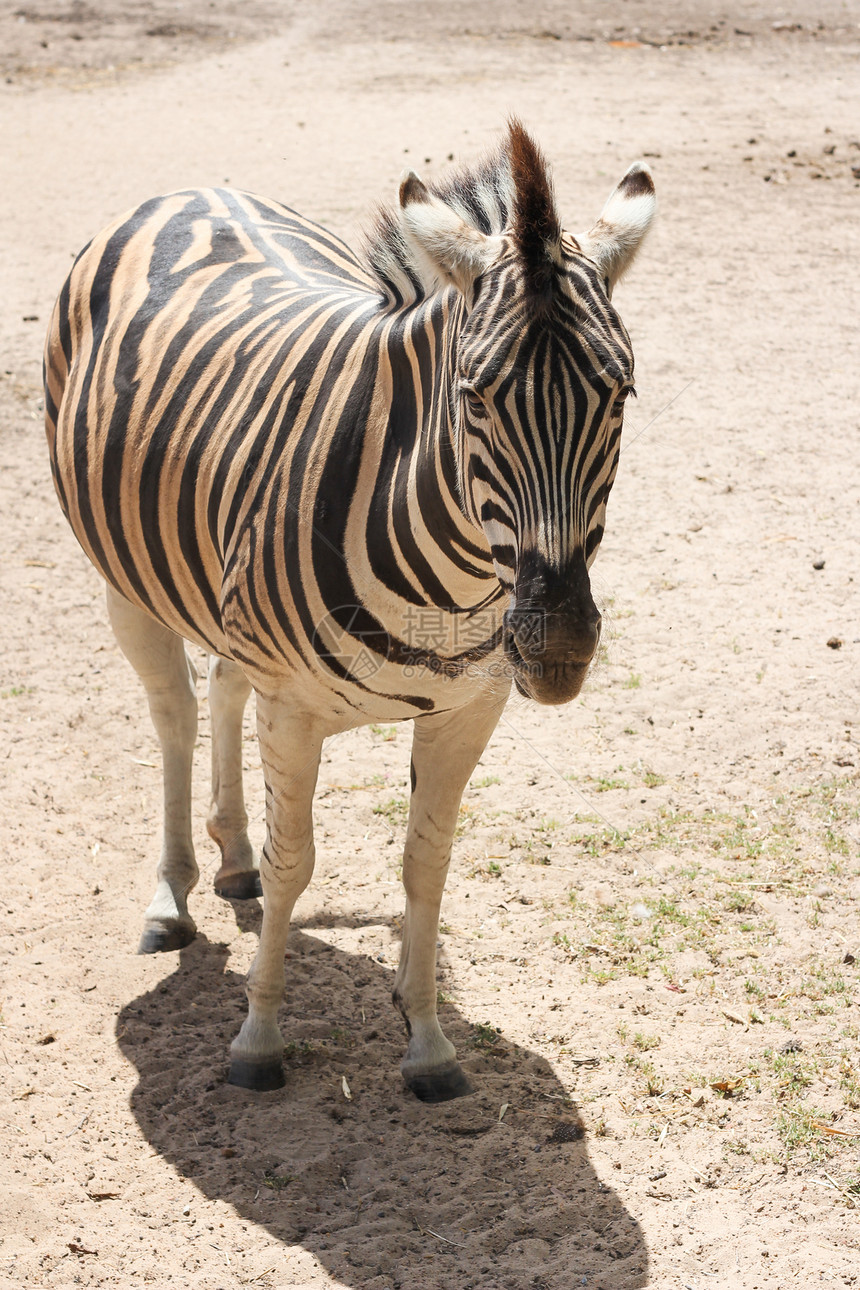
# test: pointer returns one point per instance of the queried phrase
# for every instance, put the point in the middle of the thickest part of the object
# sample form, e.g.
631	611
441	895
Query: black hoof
240	886
155	940
259	1076
440	1085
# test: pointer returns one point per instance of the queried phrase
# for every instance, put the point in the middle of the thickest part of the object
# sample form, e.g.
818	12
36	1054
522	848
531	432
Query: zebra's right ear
448	249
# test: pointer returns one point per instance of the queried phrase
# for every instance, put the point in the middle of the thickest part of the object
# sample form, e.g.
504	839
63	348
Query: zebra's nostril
557	639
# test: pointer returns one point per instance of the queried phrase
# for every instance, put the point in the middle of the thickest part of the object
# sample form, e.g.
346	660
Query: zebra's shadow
384	1191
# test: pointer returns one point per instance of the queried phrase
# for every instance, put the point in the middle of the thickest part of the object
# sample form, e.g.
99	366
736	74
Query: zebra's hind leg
239	875
158	656
445	751
290	748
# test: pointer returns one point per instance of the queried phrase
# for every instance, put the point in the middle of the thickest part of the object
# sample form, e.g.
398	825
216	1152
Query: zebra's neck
408	532
436	552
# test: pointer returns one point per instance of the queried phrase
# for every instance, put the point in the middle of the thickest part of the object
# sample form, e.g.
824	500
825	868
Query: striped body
236	416
370	489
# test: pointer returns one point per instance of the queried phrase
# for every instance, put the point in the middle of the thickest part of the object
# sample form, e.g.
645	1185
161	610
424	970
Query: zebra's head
544	366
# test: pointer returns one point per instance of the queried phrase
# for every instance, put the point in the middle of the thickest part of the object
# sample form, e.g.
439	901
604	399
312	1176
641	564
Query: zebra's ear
625	219
448	249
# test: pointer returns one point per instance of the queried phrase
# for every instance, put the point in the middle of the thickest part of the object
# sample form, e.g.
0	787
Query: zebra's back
190	338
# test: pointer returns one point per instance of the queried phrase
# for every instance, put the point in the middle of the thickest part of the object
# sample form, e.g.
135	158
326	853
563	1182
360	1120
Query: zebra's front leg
158	656
239	875
445	751
290	748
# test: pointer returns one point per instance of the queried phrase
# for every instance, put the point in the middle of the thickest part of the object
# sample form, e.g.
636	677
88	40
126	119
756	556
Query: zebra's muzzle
552	631
551	676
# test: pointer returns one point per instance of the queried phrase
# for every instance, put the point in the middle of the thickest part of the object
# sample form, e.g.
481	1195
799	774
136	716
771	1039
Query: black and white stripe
296	457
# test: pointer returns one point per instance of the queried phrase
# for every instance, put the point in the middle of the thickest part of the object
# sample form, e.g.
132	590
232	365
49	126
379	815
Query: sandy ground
652	930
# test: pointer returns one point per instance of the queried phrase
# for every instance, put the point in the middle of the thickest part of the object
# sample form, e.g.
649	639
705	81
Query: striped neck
439	550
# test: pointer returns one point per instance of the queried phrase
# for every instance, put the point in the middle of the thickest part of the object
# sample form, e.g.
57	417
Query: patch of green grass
395	811
654	1082
849	1082
599	843
386	733
794	1073
645	1042
296	1049
738	902
797	1127
486	781
633	681
484	1035
467	817
835	842
491	869
668	909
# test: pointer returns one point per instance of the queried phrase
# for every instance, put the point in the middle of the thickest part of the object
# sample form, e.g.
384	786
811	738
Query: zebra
369	485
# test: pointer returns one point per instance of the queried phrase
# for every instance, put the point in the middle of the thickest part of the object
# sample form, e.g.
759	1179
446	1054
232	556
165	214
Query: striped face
543	368
541	405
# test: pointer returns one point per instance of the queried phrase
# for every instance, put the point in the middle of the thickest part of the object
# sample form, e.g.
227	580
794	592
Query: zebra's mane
507	191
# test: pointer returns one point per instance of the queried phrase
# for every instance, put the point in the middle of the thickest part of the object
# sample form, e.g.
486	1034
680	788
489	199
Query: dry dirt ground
652	930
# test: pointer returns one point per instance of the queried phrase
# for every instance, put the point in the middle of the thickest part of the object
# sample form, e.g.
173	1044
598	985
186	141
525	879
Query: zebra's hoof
260	1077
245	885
441	1085
156	939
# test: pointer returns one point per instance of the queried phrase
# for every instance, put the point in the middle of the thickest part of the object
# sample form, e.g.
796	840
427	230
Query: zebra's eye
474	403
622	397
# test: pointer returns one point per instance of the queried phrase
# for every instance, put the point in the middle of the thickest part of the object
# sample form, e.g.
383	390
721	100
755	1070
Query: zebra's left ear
625	219
449	249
